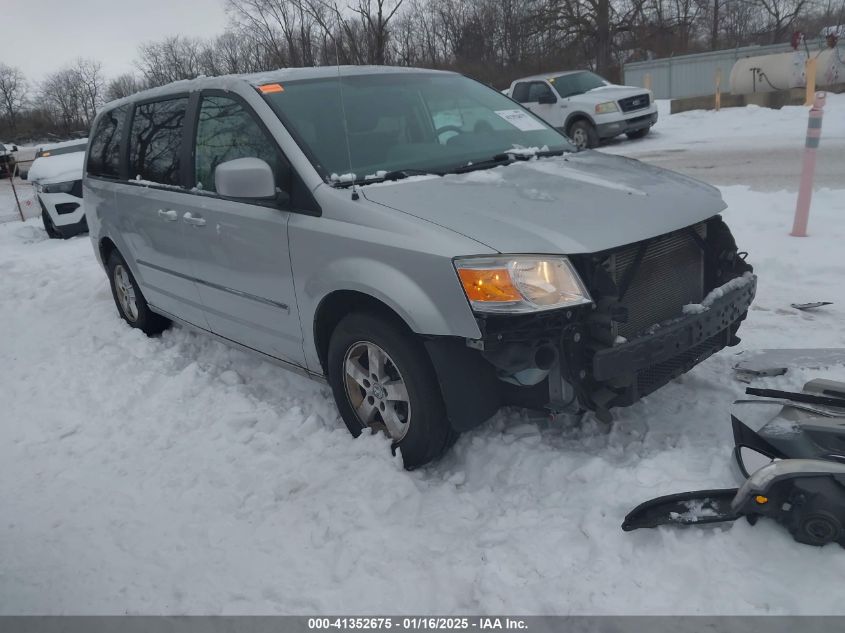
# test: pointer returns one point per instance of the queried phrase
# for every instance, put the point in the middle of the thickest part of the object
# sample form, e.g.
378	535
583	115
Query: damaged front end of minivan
658	308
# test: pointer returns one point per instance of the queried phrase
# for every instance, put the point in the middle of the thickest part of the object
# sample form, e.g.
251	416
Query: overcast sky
40	36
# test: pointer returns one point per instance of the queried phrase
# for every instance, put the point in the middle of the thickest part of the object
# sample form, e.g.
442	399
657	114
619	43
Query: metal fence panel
692	75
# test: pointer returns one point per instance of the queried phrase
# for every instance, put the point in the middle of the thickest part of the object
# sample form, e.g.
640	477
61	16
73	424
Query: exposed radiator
669	276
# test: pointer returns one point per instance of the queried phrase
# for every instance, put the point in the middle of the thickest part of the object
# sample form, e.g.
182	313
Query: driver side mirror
547	99
250	178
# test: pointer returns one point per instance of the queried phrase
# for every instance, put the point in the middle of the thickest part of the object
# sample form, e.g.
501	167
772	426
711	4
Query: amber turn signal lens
267	89
761	499
492	284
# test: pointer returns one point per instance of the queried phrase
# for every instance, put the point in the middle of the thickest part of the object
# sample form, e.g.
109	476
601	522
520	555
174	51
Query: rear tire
583	134
638	133
382	379
130	303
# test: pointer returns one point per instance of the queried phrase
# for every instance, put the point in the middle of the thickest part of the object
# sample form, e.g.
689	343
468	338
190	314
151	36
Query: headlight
606	107
58	187
520	283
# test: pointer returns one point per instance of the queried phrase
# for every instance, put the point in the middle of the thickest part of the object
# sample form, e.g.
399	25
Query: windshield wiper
506	158
396	174
399	174
498	159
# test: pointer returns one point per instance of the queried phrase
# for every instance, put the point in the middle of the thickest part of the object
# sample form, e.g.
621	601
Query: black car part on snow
802	482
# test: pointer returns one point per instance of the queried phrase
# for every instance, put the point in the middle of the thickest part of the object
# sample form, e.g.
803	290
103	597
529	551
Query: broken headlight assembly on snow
790	451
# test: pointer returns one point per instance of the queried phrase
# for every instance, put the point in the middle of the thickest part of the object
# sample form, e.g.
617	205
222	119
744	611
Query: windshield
577	83
406	121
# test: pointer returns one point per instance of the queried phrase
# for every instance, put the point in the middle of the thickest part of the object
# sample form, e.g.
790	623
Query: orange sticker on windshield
267	89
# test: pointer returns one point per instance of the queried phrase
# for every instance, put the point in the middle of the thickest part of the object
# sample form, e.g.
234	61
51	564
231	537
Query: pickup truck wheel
382	379
130	302
52	232
638	133
583	134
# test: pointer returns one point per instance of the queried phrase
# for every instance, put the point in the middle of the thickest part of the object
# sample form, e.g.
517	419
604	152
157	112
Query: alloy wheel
125	292
376	389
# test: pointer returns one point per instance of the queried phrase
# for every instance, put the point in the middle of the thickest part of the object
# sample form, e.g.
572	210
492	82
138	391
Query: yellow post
810	73
647	81
718	89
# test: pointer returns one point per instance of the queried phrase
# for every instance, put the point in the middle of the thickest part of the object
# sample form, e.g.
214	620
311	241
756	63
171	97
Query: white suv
585	107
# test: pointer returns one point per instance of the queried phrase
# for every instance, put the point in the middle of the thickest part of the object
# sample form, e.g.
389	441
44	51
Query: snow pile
696	510
61	168
176	475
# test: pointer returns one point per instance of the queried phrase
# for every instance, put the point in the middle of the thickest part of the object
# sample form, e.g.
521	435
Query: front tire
130	303
583	135
382	379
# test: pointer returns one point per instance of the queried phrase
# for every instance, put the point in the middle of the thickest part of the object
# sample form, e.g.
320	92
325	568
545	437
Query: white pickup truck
586	107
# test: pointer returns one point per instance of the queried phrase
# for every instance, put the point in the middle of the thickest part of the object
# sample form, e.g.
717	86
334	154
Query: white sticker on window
521	120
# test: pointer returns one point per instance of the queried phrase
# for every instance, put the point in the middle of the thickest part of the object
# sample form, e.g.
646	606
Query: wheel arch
574	117
339	303
105	248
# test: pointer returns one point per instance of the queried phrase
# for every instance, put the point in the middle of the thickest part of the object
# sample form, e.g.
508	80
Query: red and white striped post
805	190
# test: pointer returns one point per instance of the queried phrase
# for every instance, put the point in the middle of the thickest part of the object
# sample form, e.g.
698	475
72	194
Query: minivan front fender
429	303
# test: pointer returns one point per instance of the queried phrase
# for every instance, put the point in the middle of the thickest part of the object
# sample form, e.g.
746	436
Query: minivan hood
577	203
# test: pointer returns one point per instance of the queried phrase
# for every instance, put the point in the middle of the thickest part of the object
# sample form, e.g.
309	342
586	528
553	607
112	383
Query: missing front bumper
636	368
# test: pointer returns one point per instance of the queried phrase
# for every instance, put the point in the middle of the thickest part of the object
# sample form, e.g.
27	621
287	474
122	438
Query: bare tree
123	86
74	94
170	59
781	15
12	94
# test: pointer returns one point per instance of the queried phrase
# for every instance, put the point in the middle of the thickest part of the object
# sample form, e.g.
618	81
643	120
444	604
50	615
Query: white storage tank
783	71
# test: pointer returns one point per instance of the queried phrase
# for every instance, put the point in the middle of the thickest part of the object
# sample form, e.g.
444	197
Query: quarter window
225	131
104	152
156	141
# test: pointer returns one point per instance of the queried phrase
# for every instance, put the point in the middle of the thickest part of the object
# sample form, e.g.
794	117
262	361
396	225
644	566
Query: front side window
155	143
226	131
537	90
405	121
104	152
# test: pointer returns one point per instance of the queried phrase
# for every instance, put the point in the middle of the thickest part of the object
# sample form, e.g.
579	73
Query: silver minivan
427	246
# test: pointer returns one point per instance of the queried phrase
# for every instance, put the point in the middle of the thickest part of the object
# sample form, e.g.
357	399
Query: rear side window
520	92
155	142
104	152
226	131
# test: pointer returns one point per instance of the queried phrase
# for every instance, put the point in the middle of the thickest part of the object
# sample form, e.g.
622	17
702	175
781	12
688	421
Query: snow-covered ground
176	475
750	127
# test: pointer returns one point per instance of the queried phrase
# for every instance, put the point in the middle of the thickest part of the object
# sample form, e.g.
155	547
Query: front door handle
169	215
194	220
